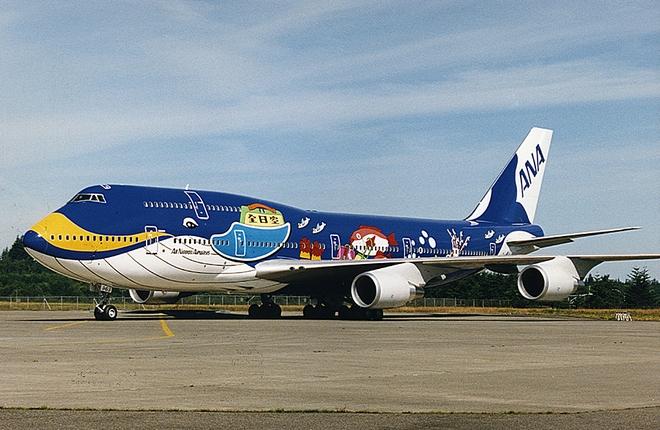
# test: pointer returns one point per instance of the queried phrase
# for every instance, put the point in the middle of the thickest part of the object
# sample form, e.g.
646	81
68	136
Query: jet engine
154	297
388	287
549	281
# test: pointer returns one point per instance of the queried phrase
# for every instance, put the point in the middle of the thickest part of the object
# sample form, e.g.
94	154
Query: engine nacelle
388	287
154	297
549	281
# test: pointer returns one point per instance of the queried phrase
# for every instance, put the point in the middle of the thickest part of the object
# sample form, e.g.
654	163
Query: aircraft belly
90	272
54	264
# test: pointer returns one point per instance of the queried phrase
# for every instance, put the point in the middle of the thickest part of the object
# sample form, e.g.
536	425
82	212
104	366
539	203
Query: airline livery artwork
366	242
351	266
259	233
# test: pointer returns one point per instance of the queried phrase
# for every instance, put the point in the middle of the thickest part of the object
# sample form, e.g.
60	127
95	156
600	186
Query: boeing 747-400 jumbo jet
164	244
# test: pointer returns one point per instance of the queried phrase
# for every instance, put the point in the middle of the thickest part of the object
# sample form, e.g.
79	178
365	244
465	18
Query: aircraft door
239	235
197	204
335	243
493	249
408	248
151	244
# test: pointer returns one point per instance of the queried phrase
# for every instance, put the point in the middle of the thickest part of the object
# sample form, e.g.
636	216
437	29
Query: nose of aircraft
32	240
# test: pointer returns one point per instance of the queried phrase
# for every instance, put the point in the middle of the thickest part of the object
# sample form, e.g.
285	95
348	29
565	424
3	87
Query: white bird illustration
489	234
499	239
319	228
303	222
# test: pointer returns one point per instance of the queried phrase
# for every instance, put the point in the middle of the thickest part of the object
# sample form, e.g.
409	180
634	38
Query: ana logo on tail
532	167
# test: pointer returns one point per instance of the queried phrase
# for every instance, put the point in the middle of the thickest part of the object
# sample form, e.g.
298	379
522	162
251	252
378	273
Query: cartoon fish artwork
305	248
303	222
489	234
499	239
319	228
371	242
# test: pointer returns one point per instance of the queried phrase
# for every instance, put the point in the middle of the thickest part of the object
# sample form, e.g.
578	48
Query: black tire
276	311
110	313
358	313
99	315
254	311
344	312
309	311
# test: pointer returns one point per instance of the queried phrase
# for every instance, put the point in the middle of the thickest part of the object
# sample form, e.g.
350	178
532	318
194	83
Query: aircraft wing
300	270
525	246
287	271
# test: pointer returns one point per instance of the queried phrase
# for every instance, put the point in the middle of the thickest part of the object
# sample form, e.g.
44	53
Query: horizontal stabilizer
525	246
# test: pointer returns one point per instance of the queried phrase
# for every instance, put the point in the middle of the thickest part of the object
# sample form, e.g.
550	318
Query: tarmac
420	370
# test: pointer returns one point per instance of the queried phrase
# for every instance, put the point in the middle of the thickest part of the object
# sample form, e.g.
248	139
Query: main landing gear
327	309
267	310
103	311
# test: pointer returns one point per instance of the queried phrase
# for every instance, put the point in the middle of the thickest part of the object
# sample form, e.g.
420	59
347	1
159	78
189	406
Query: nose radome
32	240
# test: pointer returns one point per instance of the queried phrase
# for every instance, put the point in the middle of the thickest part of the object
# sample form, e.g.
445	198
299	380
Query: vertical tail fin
515	193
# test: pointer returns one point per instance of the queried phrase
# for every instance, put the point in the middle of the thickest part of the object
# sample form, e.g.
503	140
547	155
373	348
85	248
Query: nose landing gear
103	311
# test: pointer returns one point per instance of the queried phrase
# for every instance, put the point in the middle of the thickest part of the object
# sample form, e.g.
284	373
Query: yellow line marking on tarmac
56	327
166	328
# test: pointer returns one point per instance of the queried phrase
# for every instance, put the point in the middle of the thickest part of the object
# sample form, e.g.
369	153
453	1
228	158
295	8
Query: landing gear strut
268	308
103	311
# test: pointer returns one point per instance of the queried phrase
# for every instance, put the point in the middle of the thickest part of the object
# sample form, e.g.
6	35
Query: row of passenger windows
222	242
255	244
188	205
448	251
93	238
191	241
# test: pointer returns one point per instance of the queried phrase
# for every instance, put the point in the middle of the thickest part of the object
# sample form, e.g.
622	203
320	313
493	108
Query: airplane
164	244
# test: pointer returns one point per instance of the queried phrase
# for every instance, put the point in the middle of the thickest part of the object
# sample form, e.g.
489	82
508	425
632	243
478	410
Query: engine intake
155	297
388	287
549	281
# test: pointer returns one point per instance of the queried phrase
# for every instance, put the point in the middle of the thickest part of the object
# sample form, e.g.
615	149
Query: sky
385	107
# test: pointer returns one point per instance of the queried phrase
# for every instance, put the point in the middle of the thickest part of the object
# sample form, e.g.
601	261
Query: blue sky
398	108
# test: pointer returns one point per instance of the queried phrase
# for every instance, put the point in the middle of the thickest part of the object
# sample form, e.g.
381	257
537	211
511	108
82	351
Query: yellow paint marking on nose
166	329
57	327
69	236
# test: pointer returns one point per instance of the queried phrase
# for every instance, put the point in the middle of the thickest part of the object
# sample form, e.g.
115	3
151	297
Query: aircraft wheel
308	311
110	313
358	313
254	311
344	312
276	311
99	315
271	310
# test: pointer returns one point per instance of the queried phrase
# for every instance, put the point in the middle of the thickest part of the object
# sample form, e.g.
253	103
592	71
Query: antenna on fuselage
187	187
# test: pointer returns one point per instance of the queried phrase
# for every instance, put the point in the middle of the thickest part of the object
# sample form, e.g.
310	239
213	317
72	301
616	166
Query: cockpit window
88	197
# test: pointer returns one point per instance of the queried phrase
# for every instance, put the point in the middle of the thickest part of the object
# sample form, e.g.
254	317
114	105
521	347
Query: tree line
20	275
